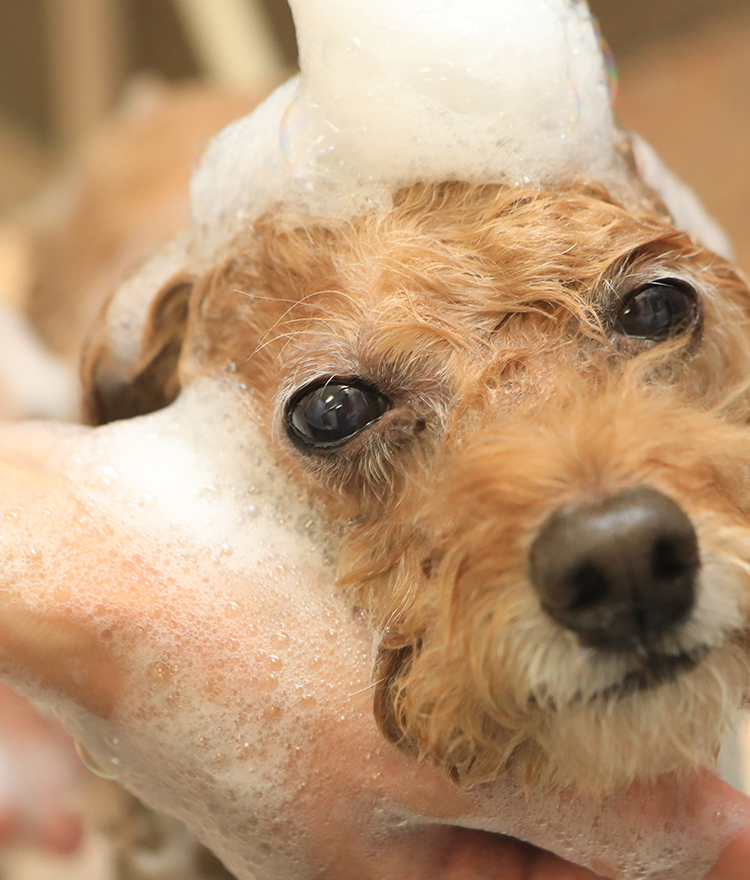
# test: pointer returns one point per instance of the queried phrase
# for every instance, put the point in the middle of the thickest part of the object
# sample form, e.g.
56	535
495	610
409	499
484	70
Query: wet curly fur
488	317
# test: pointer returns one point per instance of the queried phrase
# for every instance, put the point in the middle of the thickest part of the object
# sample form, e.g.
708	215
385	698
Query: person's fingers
734	863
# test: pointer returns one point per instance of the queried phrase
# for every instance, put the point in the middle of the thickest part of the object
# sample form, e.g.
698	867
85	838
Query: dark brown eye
329	413
658	310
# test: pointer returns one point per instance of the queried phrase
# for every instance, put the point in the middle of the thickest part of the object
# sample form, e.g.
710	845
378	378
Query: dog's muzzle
620	573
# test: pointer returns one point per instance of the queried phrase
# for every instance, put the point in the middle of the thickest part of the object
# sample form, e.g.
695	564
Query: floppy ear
142	376
391	667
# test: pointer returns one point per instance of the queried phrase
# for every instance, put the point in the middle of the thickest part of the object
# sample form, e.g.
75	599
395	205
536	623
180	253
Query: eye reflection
329	413
658	310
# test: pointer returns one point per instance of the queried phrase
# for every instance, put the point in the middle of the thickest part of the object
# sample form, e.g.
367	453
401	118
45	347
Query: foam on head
393	92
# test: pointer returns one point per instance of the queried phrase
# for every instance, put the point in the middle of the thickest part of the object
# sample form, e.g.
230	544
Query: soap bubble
394	92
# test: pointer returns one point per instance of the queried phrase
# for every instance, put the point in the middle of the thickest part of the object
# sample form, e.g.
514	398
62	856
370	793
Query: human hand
170	593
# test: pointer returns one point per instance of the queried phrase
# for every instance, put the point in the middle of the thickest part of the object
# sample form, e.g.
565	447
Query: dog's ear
125	380
392	665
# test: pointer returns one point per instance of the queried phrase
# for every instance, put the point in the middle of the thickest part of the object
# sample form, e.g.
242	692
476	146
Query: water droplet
233	610
275	664
305	524
160	672
273	713
62	593
269	683
106	473
34	557
280	641
91	764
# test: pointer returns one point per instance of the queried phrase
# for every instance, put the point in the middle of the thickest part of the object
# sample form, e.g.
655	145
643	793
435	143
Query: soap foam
228	576
393	92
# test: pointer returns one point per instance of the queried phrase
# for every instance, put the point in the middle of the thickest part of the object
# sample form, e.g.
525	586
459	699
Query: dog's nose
619	572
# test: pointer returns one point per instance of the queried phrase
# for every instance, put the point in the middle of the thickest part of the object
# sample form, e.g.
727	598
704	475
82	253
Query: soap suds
391	93
394	92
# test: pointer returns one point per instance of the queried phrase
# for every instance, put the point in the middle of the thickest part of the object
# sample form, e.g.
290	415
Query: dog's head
525	410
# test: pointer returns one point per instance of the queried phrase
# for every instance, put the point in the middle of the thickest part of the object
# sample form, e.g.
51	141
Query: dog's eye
658	310
329	413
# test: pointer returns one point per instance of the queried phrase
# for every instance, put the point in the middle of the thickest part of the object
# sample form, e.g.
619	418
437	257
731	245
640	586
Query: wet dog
527	411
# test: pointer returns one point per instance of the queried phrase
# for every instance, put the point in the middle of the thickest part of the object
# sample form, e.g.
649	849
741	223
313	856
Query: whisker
280	299
369	687
288	336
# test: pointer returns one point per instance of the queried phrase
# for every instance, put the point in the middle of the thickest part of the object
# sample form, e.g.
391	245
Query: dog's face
526	410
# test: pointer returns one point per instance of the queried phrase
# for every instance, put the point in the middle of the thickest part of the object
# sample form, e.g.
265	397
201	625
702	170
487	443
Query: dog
519	412
527	411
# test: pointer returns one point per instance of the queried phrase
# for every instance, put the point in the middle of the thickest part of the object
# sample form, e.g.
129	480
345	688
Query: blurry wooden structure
64	64
232	40
87	61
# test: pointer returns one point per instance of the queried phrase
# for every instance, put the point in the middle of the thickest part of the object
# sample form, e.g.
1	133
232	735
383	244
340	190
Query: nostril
619	572
586	586
673	557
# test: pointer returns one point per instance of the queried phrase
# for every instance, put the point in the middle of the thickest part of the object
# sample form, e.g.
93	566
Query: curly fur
486	314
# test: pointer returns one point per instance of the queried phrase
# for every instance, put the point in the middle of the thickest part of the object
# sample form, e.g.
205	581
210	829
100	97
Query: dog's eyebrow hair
265	340
288	336
280	299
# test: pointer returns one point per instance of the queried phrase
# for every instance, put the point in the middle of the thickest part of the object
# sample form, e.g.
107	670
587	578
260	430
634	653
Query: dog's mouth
650	671
640	673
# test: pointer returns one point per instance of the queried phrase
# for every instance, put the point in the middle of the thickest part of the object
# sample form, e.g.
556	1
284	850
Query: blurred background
83	101
684	78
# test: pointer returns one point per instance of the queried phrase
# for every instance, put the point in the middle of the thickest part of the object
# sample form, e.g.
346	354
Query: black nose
620	572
